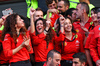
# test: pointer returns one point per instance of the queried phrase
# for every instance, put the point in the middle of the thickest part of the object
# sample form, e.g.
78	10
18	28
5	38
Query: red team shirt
70	47
40	47
78	28
9	45
2	56
53	18
95	44
88	40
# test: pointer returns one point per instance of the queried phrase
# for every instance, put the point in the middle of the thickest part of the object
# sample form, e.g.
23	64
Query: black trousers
21	63
39	63
66	63
5	64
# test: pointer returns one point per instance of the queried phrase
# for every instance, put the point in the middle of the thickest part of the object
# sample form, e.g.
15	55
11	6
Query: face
67	25
74	15
38	14
52	5
56	60
39	26
98	17
94	16
20	22
78	11
62	7
76	62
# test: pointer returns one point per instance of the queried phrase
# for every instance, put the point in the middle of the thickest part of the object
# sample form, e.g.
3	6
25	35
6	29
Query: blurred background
20	6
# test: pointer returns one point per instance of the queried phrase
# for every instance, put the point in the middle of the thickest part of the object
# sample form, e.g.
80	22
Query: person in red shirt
95	42
3	61
89	37
42	38
79	59
53	58
62	7
16	42
85	23
70	42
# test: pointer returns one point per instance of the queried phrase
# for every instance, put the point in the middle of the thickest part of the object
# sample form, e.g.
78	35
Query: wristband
3	18
45	30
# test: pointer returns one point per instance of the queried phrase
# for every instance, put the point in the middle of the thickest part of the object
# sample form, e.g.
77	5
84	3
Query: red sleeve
93	49
53	18
7	46
60	38
81	43
88	41
36	39
30	42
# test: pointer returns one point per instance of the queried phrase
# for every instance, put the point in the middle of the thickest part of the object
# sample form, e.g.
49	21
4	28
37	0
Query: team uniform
3	60
95	44
53	18
69	47
88	25
21	58
41	48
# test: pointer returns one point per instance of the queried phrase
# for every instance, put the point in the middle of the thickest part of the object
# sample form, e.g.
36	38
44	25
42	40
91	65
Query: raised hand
62	20
48	24
32	11
55	11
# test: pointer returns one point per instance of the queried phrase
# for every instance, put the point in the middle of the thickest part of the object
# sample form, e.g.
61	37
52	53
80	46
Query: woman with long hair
42	38
16	42
70	42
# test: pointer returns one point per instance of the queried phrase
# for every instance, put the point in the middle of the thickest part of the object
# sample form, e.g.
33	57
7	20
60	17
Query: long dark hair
9	27
50	34
58	22
73	30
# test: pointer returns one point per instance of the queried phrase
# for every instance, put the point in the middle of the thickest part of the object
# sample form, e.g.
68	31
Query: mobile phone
7	12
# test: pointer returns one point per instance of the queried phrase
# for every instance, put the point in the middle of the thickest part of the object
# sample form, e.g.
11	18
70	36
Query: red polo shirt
70	47
90	36
53	18
40	47
95	44
2	56
9	45
78	28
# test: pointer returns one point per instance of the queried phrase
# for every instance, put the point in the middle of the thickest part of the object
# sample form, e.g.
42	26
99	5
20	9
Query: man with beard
79	59
53	58
62	7
85	24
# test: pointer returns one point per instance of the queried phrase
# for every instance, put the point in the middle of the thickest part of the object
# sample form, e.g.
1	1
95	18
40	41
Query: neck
48	64
84	18
68	35
18	30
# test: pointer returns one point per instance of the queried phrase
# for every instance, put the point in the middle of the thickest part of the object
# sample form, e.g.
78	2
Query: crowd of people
62	37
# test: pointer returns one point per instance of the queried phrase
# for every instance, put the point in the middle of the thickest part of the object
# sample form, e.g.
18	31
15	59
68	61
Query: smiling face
52	5
38	14
20	22
39	26
94	16
67	25
62	7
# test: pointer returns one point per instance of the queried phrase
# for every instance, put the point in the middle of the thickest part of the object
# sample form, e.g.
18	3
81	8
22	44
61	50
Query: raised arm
32	11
